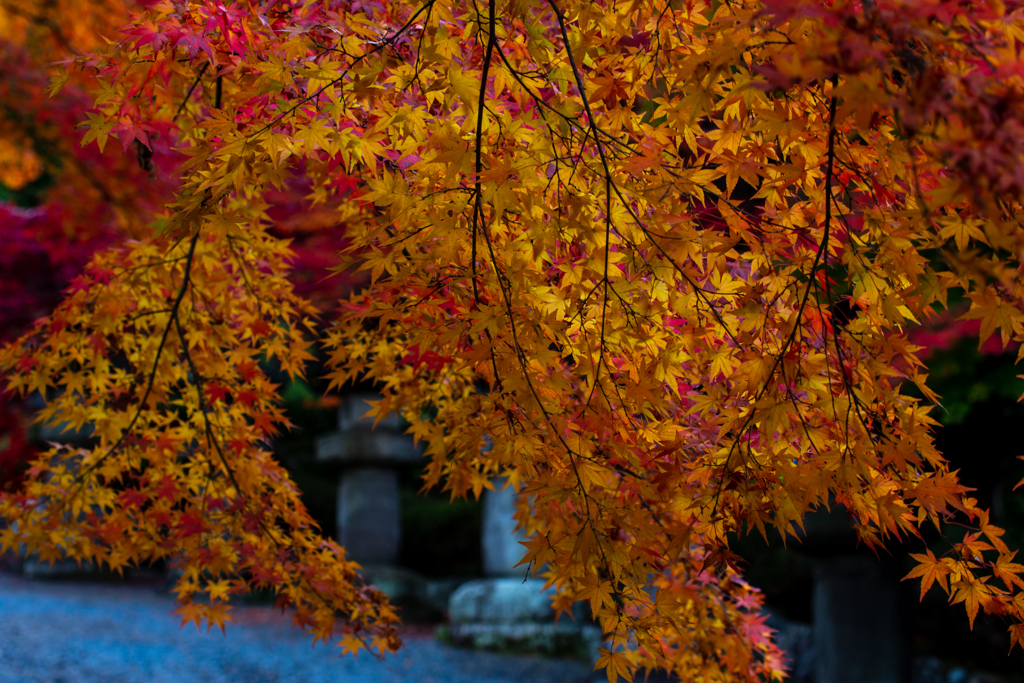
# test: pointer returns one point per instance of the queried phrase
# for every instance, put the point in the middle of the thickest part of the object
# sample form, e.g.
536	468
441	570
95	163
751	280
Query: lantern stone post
856	607
500	540
369	501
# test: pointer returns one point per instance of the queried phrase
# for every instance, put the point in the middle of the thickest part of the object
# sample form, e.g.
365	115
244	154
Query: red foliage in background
948	329
83	199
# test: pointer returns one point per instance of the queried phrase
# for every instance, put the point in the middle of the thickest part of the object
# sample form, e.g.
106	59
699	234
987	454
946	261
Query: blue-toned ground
79	632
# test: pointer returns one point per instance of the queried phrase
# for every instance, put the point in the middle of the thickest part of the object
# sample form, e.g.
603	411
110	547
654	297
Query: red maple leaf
132	498
167	489
191	523
215	392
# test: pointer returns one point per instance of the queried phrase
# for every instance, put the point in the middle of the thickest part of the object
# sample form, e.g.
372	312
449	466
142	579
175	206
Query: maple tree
663	255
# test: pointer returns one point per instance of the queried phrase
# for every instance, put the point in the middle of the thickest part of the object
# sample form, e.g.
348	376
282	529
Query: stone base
501	601
418	598
515	615
394	582
554	640
32	568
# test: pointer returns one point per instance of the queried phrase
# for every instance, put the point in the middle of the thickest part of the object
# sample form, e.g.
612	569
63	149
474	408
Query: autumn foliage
664	255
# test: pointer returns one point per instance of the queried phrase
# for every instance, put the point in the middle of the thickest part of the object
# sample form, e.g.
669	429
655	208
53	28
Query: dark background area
981	436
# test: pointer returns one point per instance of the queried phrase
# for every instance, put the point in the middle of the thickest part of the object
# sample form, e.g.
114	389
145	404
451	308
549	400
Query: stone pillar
500	541
369	526
858	630
516	615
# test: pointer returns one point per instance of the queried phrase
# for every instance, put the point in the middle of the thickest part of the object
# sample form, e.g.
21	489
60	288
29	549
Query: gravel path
78	632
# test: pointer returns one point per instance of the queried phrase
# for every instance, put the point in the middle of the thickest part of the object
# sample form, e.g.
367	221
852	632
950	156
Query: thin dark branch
156	361
188	93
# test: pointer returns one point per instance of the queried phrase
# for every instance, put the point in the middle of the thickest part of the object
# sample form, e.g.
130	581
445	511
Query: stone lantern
369	512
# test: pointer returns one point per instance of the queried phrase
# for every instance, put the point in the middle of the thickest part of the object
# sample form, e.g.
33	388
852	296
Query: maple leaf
190	612
217	615
1007	570
133	497
615	663
974	594
216	392
930	570
350	643
190	524
167	490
